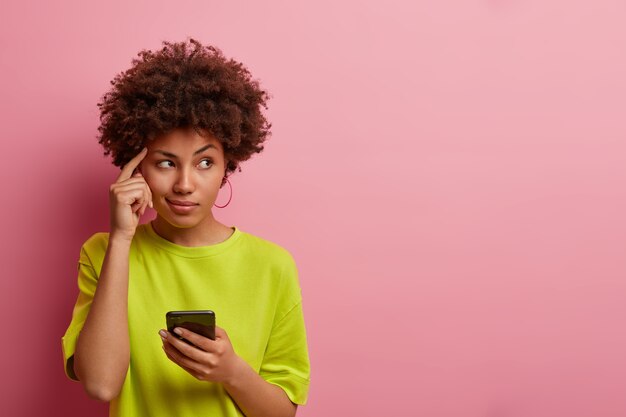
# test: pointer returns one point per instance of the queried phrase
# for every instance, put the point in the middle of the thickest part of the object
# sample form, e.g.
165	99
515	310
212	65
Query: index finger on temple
129	168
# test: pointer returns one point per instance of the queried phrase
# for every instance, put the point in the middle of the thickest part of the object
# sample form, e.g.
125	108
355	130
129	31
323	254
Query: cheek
154	182
217	185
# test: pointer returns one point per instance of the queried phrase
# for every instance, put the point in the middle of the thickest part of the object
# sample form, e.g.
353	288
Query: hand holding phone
217	361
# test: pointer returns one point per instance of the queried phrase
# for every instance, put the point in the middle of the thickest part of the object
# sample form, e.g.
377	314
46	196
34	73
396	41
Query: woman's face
184	170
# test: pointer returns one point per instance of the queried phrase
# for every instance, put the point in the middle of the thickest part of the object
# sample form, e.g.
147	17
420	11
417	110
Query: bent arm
256	397
103	349
216	361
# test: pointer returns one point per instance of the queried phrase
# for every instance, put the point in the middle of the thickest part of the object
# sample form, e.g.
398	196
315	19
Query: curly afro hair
184	85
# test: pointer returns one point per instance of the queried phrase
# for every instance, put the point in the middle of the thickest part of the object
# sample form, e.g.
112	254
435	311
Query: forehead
184	141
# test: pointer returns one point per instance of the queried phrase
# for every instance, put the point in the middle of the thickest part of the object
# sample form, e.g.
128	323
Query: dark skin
216	361
102	354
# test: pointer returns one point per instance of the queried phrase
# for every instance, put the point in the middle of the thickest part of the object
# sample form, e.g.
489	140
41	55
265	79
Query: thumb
220	333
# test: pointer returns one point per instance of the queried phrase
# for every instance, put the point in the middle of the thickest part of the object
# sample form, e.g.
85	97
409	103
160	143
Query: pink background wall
448	174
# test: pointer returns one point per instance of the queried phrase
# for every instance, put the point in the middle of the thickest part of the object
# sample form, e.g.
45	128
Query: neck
209	232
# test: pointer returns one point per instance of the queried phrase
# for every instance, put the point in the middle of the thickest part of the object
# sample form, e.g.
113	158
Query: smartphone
201	322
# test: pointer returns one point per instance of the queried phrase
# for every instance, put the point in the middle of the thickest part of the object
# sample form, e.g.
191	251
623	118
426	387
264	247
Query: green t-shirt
251	285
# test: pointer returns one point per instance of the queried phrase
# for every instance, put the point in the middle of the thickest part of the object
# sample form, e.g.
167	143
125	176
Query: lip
181	206
182	202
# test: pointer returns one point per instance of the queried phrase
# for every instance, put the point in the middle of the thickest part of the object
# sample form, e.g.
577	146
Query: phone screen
201	322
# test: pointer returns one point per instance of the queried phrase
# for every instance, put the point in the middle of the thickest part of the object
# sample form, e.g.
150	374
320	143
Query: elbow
97	385
98	388
101	392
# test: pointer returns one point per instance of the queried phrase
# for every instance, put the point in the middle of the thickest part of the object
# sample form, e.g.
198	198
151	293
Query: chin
178	221
182	223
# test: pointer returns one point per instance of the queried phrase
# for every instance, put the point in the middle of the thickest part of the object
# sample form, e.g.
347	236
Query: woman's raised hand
129	196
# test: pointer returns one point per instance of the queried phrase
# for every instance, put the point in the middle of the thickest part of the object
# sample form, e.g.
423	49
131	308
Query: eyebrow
171	155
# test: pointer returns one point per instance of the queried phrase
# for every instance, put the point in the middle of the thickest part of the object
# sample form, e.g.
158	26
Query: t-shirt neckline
191	251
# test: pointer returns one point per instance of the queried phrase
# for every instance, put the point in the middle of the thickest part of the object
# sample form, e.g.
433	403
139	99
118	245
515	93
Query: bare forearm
103	350
257	397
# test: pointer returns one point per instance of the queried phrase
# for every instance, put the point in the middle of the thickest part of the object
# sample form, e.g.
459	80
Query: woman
179	122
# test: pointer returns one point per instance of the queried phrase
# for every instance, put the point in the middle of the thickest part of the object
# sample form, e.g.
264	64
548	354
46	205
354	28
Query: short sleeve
286	359
87	282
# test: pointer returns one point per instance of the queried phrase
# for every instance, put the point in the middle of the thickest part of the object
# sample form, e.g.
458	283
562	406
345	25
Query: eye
205	163
165	164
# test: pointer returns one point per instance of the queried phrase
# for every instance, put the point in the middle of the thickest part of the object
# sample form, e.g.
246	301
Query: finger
131	193
180	358
174	355
194	352
129	168
199	341
133	179
137	179
191	371
145	202
149	191
143	206
136	207
138	176
133	199
129	185
220	333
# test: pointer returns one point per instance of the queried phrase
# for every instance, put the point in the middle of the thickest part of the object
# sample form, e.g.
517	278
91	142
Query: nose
184	182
